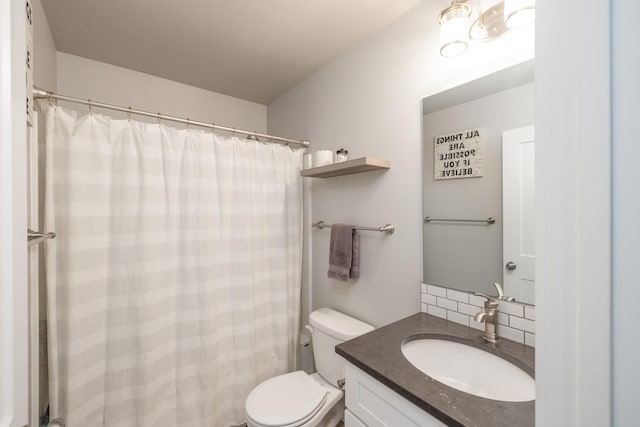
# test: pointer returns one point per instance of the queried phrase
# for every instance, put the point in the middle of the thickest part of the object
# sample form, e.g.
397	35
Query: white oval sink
470	370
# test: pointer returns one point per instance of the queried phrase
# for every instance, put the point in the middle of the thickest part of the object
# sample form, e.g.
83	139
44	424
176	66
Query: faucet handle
488	297
491	301
501	292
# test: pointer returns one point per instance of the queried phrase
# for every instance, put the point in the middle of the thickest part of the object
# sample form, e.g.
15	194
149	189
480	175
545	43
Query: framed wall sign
458	155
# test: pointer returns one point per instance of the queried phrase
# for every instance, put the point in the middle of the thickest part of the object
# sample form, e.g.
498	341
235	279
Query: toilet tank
330	328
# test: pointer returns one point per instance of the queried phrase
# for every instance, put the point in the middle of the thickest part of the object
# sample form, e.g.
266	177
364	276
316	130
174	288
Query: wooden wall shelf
362	164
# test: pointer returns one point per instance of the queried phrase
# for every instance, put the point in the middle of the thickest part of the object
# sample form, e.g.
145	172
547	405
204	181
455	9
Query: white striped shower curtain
174	280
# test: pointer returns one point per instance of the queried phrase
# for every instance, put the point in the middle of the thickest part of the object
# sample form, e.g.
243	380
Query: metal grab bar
35	237
387	228
490	220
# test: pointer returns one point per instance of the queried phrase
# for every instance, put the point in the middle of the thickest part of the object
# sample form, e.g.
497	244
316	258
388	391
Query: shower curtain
174	282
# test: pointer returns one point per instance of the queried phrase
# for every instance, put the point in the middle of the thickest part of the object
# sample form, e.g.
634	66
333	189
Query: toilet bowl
298	399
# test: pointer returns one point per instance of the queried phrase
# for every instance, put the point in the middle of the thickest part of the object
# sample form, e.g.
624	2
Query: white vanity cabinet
372	404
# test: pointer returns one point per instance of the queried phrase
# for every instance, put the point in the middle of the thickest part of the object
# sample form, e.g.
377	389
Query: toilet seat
287	400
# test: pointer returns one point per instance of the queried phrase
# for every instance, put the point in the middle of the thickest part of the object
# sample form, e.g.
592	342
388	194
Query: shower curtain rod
43	94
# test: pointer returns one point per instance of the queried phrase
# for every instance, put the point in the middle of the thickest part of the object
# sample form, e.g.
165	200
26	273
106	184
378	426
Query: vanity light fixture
466	20
519	13
454	23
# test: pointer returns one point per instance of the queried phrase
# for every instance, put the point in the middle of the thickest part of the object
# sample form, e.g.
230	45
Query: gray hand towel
344	256
355	255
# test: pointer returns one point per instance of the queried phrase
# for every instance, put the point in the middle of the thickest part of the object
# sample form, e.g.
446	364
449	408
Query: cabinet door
351	420
376	405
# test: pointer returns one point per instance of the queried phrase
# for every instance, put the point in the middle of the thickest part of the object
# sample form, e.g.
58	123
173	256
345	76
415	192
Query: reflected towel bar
488	221
35	237
387	228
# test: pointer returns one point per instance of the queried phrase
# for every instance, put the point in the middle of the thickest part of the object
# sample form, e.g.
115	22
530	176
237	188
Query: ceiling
250	49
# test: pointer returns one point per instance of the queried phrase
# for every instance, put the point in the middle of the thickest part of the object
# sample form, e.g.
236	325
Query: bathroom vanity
384	389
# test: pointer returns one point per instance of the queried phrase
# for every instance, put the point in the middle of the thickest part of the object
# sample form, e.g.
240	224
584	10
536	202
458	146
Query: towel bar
489	220
387	228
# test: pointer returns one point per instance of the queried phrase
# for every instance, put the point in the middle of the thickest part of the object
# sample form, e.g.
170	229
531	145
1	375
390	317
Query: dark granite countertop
379	354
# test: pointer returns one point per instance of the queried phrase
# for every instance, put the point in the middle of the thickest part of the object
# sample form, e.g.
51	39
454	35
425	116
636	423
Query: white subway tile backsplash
429	299
454	316
516	322
476	300
437	291
511	333
523	324
436	311
457	295
530	312
530	339
503	319
511	308
467	309
447	303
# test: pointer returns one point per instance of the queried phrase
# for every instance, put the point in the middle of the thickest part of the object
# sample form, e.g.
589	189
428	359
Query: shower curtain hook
50	99
159	124
90	106
253	136
188	122
129	114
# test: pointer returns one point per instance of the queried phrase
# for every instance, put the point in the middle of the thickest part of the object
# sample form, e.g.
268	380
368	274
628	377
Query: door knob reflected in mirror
510	266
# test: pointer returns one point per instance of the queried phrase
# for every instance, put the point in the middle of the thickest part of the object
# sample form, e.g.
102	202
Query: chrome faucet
490	318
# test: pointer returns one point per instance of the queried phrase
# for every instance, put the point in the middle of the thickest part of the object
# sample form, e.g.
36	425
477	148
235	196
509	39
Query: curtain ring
188	122
50	99
159	119
90	106
129	114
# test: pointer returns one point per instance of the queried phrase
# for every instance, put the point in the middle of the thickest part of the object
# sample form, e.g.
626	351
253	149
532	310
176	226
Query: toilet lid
285	400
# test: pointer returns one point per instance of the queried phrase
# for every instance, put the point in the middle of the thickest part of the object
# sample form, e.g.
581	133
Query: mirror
463	181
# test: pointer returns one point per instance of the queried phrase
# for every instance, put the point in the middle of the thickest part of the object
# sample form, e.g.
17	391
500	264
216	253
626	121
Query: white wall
44	55
44	76
626	211
84	78
368	101
573	214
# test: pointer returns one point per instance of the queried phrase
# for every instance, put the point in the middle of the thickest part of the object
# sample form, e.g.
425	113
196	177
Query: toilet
300	399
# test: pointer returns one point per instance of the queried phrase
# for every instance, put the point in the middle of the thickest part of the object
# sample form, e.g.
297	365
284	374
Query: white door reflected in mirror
518	212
